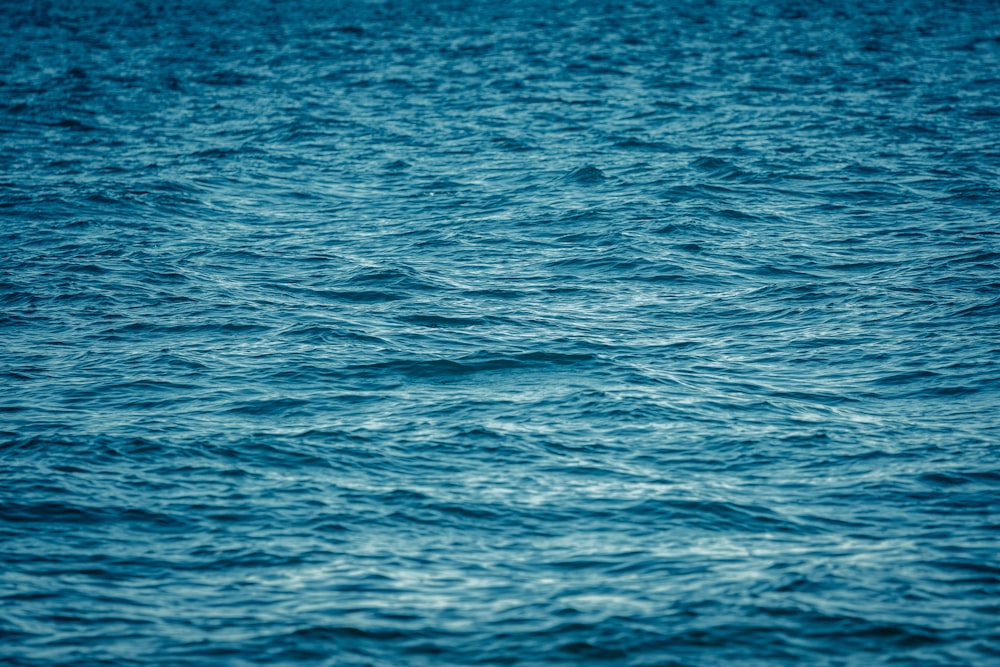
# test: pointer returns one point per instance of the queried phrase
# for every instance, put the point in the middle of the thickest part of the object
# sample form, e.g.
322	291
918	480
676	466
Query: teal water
442	333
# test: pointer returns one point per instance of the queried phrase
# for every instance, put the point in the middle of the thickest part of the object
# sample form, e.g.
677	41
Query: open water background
521	333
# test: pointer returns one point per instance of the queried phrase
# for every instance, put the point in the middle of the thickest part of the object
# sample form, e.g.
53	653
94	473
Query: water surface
522	333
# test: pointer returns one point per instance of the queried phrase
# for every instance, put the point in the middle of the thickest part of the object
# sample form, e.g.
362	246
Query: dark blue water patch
447	333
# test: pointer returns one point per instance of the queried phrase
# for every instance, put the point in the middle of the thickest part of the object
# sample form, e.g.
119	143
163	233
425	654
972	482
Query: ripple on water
536	333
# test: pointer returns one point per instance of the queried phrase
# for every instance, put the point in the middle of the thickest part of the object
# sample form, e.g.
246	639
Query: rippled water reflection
443	333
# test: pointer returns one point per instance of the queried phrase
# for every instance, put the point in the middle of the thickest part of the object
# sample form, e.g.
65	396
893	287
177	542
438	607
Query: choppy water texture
520	333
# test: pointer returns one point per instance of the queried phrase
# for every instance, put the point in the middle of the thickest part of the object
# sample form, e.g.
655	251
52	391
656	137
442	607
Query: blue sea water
659	333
